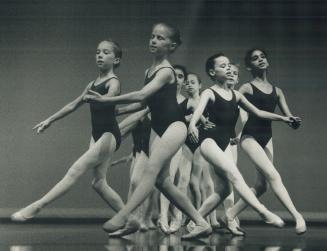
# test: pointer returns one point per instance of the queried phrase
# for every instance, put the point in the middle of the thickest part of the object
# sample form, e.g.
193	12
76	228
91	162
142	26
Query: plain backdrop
47	53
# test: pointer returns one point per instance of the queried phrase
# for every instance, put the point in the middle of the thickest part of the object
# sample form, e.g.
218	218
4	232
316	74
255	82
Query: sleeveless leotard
223	113
260	129
233	135
103	116
141	136
187	111
163	105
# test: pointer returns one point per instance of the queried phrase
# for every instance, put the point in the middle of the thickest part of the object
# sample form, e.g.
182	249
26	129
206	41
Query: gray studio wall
47	58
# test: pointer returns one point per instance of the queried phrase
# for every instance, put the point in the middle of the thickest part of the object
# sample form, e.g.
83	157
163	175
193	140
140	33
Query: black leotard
223	113
141	136
260	129
163	105
103	116
188	111
233	135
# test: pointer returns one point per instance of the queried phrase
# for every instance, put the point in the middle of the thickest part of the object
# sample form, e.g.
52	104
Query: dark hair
210	63
196	75
175	34
236	65
248	56
182	68
117	49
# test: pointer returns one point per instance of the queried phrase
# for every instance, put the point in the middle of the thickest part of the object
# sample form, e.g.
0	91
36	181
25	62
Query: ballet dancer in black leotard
159	92
176	161
222	104
104	141
139	125
256	138
201	183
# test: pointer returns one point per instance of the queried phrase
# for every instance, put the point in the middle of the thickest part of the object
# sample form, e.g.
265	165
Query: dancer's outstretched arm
129	108
246	105
163	77
64	111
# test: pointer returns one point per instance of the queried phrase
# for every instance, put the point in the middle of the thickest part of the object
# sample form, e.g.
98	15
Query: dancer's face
259	60
160	42
180	77
233	76
192	84
105	56
221	70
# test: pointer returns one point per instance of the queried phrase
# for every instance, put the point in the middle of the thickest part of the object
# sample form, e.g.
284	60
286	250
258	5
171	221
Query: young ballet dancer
256	138
105	138
175	162
222	105
159	92
141	132
197	166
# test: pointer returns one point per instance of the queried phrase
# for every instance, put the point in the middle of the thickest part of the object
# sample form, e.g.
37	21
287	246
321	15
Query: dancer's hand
295	122
92	96
193	133
40	127
208	125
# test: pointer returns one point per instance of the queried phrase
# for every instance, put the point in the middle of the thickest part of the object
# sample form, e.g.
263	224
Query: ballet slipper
23	214
143	227
130	227
175	225
232	226
109	227
199	231
190	226
273	219
216	226
301	227
163	227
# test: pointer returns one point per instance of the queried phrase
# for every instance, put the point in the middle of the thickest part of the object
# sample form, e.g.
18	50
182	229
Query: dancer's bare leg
162	152
98	153
263	160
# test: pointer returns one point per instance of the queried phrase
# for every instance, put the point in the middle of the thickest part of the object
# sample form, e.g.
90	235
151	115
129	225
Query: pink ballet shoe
19	216
232	226
163	227
273	219
198	232
129	228
175	225
190	226
301	227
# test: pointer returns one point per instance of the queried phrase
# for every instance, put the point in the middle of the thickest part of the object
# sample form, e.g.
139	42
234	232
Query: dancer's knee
234	176
162	181
273	176
98	184
134	182
76	171
183	182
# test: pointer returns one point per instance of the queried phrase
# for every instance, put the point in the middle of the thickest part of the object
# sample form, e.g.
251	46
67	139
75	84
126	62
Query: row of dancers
194	137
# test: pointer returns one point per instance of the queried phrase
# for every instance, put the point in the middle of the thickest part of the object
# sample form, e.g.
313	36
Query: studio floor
71	237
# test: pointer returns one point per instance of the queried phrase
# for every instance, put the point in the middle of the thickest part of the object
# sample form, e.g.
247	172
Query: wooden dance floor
90	237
